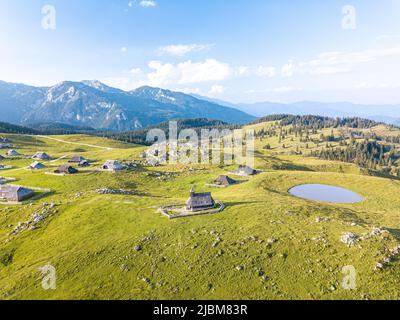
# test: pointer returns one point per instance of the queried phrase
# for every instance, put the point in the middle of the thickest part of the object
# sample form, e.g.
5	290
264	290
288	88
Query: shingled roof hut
13	153
77	159
41	156
112	165
224	181
66	170
14	193
245	171
5	145
199	201
37	166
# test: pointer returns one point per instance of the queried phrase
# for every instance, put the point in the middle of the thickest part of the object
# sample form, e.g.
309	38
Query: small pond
320	192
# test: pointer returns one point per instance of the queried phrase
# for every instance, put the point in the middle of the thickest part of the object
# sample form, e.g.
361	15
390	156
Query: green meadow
266	244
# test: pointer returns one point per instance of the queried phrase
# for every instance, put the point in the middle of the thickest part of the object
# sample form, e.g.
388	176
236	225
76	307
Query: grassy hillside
265	245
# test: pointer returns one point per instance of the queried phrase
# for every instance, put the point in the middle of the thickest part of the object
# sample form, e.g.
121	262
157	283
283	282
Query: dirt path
75	143
63	157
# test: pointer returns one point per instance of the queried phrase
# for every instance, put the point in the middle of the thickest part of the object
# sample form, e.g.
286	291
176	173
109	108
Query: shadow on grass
282	164
394	232
40	196
351	216
241	203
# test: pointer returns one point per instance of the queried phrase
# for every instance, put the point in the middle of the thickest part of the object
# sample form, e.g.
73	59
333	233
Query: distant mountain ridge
389	114
96	105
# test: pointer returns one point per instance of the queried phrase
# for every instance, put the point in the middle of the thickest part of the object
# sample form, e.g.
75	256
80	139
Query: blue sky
238	50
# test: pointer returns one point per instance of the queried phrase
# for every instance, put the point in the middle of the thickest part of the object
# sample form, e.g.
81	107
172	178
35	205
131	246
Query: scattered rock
220	253
379	266
387	260
46	211
114	191
124	268
349	239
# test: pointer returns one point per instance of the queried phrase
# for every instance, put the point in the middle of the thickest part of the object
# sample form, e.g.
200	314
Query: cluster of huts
109	166
39	156
12	193
10	153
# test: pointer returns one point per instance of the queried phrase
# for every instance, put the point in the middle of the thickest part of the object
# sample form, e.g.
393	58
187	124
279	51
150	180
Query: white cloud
183	49
188	72
142	3
330	63
148	3
338	58
381	85
123	83
328	70
208	70
124	49
168	74
189	90
288	69
388	37
282	89
243	71
217	90
363	85
163	74
269	72
136	71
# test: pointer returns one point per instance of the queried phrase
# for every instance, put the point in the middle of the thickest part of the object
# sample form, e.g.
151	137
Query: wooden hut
13	153
37	166
112	165
15	193
41	156
199	201
224	181
245	171
66	170
77	159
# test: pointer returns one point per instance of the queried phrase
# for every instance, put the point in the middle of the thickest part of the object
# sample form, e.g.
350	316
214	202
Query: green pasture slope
265	245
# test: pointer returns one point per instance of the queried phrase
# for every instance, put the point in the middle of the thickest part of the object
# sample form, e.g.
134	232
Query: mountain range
389	114
92	104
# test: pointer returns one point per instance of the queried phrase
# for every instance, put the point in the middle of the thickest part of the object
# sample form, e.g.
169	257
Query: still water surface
320	192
